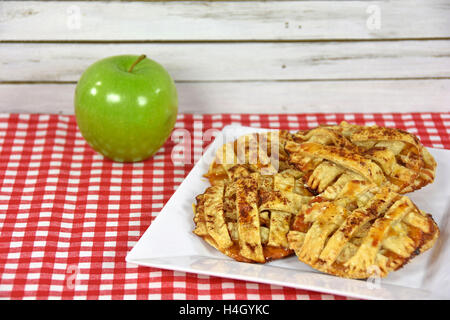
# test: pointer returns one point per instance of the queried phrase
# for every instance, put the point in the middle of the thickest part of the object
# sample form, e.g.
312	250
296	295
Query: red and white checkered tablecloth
68	217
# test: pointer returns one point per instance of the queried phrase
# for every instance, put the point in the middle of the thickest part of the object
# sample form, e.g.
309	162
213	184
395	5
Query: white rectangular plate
170	244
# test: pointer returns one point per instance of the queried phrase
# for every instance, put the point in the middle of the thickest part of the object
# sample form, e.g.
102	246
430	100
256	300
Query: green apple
126	107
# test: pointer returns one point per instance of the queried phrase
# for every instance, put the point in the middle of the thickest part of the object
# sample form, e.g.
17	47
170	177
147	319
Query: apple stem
141	57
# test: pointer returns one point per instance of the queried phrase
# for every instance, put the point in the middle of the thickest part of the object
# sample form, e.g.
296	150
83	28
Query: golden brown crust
414	167
358	224
366	231
260	152
256	211
404	164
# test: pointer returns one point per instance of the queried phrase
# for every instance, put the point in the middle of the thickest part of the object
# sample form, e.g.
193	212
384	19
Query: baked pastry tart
328	169
262	152
333	195
248	215
404	164
363	231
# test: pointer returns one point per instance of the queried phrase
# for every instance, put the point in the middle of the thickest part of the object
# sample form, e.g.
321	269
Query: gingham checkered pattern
68	216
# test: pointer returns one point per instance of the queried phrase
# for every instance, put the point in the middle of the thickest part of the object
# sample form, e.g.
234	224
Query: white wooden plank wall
233	56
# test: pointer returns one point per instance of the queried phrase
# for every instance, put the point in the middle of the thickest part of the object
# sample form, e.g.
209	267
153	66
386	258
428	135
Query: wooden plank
237	61
203	21
259	97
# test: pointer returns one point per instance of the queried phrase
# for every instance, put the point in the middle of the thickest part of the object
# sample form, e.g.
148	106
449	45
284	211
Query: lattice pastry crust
359	225
262	152
404	164
248	216
327	169
364	231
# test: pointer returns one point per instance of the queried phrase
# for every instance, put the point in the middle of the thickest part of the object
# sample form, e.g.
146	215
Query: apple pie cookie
332	195
262	152
405	161
327	169
248	215
364	231
404	164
